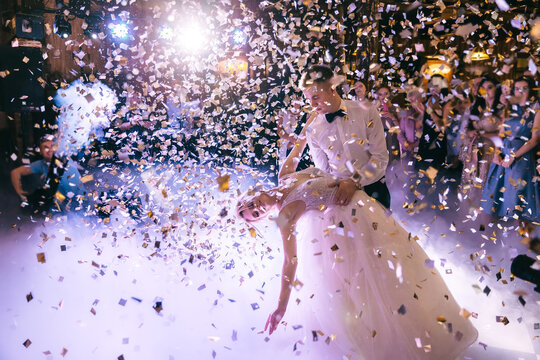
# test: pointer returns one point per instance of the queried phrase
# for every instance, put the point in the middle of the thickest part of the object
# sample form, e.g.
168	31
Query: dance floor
192	282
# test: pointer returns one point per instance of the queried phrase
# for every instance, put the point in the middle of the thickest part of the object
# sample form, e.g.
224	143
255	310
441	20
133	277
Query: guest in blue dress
512	186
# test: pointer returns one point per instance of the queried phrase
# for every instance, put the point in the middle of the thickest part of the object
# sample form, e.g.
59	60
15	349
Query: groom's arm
365	173
317	154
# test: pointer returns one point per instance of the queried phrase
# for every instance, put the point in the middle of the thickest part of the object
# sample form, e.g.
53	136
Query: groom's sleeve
320	160
375	168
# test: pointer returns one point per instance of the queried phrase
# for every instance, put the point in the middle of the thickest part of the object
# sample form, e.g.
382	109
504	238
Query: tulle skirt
369	291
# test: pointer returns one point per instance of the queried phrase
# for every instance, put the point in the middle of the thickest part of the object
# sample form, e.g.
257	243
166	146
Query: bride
369	284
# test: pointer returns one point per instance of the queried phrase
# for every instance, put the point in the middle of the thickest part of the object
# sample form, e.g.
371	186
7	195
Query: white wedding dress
366	283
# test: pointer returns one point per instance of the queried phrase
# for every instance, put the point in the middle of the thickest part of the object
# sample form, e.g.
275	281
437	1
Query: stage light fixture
119	30
166	32
93	27
239	37
61	26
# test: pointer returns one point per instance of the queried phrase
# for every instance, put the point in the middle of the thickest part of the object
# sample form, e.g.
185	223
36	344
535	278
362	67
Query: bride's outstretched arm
288	274
290	164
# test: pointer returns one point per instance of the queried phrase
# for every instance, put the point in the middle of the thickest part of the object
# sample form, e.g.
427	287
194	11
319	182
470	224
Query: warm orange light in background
233	66
438	67
479	54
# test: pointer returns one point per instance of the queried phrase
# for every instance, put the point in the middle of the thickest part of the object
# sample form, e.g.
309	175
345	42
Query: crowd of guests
486	132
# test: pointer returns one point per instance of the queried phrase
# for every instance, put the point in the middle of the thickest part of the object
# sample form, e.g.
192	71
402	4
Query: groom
345	138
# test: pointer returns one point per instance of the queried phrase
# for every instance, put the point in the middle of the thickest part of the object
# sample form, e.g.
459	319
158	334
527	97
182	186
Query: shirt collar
342	106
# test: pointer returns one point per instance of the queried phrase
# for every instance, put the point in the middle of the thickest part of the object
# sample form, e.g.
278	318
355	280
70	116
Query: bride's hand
345	192
274	319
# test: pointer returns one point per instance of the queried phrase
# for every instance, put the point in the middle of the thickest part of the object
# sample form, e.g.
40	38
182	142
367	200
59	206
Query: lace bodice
311	187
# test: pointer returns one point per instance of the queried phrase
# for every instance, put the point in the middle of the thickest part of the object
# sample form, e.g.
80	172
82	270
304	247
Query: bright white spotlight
119	30
166	33
239	37
192	38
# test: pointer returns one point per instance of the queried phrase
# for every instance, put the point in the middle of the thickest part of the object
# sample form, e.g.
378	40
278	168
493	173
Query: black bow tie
332	116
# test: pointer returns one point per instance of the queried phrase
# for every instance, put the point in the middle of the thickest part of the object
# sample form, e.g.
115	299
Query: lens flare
119	30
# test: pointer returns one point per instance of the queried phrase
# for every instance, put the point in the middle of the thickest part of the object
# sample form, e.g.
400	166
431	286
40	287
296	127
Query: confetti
503	319
464	313
223	182
234	119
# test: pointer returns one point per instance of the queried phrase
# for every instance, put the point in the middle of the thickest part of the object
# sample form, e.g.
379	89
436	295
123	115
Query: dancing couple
369	287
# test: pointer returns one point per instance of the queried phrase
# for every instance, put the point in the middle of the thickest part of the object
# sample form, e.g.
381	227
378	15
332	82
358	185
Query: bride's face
255	208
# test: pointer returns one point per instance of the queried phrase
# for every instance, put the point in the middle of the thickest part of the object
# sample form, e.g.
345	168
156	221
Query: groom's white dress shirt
351	144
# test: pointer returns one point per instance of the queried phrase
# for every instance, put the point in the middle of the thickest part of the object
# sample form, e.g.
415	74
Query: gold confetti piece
41	258
158	307
27	343
297	284
252	232
465	313
441	319
431	173
322	207
335	247
375	225
64	352
87	178
329	339
213	338
59	196
223	182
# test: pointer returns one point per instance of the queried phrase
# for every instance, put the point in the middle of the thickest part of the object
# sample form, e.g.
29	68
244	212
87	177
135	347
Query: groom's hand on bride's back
345	191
